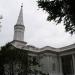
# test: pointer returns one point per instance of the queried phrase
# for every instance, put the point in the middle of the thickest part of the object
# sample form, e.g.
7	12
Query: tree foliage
9	55
59	10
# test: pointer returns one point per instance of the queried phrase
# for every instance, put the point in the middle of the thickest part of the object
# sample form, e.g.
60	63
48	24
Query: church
53	61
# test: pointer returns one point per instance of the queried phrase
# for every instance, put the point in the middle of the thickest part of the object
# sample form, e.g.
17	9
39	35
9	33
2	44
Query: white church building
53	61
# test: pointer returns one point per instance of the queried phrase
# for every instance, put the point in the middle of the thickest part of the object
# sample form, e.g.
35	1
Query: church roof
69	47
23	45
20	17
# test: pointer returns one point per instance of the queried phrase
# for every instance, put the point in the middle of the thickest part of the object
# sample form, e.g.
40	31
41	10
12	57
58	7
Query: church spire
19	27
20	17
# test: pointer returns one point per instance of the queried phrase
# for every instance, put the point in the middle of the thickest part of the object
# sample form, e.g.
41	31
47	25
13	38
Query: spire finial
22	5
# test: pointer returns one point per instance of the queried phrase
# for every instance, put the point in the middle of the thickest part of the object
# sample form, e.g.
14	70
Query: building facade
52	61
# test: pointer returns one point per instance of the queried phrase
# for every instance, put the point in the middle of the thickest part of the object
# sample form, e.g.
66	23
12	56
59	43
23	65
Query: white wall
47	62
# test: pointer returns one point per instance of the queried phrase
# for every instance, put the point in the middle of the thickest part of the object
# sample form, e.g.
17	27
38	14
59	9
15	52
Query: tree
59	10
14	60
10	57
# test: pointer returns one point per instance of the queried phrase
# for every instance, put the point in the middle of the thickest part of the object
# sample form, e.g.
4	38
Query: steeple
19	27
20	17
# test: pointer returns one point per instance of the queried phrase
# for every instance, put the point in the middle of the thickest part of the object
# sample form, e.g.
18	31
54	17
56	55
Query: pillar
73	58
60	66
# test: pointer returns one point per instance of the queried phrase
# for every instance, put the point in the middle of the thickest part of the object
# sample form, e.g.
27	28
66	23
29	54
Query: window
53	67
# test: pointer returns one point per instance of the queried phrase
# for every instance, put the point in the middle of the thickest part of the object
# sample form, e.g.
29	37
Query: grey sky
38	31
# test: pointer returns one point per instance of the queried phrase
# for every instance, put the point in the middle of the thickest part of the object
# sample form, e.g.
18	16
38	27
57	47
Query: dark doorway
67	65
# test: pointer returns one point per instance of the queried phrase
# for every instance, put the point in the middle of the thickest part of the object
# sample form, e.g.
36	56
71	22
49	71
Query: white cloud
39	32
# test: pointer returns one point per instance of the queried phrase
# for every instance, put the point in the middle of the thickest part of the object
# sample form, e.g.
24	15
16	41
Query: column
73	58
60	66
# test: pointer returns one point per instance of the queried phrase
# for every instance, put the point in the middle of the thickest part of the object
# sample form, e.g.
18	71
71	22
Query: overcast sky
38	31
